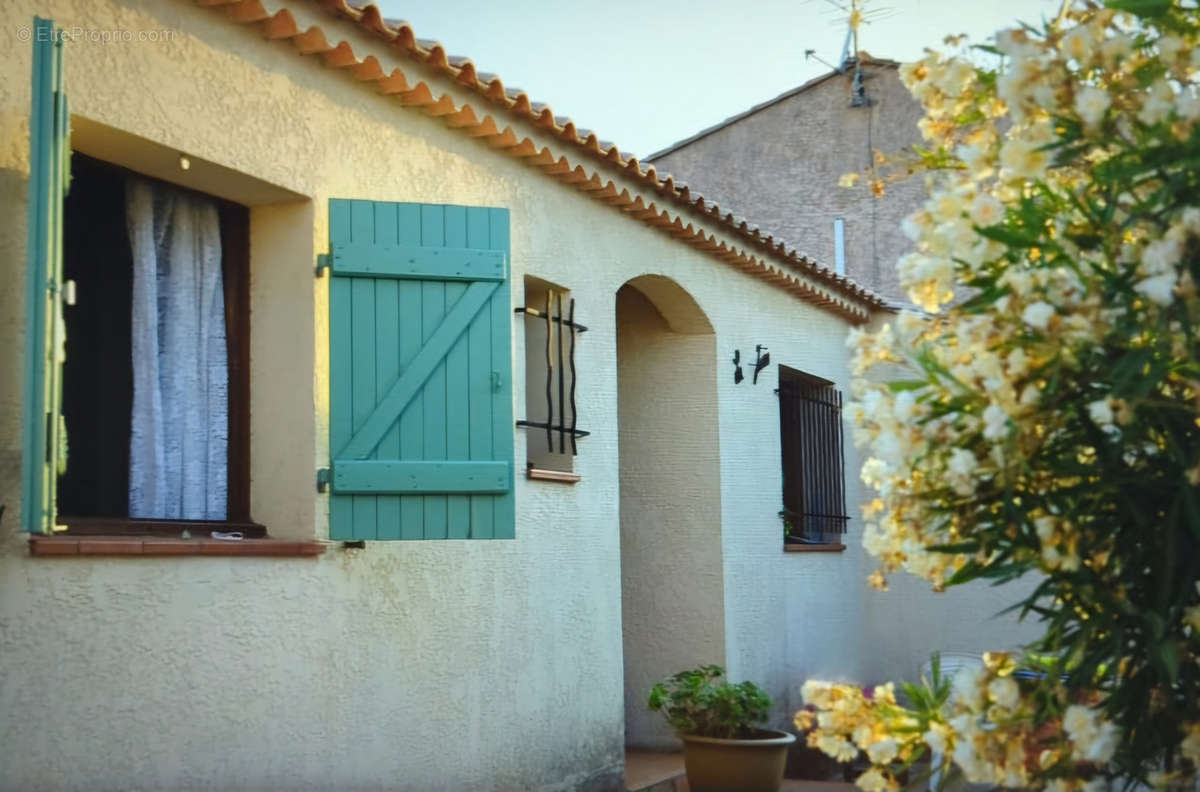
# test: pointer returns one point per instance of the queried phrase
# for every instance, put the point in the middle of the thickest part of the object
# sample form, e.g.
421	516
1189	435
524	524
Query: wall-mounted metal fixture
565	324
858	91
737	367
355	545
761	361
839	246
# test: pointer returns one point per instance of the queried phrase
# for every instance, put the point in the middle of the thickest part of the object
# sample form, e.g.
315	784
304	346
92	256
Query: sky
646	74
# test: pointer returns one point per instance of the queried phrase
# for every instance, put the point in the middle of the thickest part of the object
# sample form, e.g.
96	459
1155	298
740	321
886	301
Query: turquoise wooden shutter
421	426
44	439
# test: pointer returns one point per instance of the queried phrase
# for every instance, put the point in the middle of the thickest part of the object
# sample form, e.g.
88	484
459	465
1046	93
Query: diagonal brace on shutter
410	381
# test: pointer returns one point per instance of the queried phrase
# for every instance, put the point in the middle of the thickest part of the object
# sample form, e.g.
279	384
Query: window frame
235	275
820	438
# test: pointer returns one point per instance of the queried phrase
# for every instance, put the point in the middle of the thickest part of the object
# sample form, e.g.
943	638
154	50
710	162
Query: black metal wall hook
761	361
737	367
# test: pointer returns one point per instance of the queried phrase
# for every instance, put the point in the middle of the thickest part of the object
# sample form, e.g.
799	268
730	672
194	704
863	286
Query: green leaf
1007	236
906	385
1148	9
1167	654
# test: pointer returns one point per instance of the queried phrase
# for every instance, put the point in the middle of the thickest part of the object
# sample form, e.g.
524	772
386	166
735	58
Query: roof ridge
864	56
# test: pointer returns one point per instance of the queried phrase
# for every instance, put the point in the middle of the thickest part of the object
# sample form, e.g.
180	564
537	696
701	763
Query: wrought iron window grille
556	374
810	421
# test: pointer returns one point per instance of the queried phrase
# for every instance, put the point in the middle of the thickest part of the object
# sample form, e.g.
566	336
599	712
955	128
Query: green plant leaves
1148	9
702	702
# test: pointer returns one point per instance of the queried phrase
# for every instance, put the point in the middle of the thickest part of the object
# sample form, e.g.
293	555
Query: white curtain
180	422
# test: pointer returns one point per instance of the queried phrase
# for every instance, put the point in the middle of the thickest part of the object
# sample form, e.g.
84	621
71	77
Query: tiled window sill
814	548
561	476
65	546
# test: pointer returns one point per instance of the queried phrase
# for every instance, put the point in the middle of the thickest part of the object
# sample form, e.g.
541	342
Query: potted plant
724	748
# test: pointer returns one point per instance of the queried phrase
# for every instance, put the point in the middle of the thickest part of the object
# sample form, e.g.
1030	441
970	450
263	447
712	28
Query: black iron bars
814	498
565	357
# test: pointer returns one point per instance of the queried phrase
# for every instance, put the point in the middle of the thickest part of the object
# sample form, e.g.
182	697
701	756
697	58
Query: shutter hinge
323	263
323	479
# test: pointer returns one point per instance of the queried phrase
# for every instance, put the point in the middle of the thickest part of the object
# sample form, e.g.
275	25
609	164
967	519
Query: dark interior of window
97	386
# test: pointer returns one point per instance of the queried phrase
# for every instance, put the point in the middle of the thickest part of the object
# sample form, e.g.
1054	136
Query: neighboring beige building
409	606
779	163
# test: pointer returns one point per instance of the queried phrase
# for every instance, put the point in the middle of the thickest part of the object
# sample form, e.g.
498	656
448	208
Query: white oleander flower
1160	288
1038	315
986	210
1004	692
1022	159
1092	103
995	422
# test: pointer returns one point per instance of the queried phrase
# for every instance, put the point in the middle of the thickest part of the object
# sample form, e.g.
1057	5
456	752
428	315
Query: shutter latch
322	264
322	479
495	382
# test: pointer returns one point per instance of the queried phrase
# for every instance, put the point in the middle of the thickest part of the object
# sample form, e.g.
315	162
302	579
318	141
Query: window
810	429
551	334
155	386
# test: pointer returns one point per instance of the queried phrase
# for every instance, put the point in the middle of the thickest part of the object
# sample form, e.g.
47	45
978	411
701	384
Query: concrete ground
647	771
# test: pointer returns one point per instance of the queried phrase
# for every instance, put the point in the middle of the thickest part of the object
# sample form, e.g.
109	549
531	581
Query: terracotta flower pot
718	765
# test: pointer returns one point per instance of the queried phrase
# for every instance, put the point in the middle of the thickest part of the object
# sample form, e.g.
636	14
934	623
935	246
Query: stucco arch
672	582
680	310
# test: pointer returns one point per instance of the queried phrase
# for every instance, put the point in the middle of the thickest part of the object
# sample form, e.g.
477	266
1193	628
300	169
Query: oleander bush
1047	424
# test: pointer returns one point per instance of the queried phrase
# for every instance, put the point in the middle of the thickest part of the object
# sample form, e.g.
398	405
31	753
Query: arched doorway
672	583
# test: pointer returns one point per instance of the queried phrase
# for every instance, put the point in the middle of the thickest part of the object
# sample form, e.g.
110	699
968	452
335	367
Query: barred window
551	334
810	428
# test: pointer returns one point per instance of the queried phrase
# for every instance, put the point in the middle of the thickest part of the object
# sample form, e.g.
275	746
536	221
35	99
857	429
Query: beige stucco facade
439	665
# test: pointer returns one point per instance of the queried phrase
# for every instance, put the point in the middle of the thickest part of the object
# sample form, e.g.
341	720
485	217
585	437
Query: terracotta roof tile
827	290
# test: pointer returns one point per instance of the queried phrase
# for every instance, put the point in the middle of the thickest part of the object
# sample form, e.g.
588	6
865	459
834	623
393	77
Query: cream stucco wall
418	665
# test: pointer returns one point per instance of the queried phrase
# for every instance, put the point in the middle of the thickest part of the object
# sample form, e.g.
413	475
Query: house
779	162
368	426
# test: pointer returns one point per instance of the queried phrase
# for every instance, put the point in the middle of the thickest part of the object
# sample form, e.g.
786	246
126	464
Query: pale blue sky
645	74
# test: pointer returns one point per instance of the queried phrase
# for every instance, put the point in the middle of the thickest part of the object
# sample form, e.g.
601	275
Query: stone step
649	771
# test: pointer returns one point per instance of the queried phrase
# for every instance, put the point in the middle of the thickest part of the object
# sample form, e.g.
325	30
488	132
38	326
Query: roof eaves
798	274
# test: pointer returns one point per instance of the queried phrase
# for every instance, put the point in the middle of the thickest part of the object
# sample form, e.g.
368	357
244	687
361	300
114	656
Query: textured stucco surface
416	666
672	577
779	167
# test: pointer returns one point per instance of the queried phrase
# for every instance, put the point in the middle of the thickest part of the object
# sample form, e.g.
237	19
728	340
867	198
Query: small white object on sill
230	536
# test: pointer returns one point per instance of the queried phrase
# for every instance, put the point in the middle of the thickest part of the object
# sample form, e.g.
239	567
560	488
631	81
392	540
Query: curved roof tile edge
856	302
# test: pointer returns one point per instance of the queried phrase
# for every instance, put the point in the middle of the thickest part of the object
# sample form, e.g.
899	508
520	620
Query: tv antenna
853	14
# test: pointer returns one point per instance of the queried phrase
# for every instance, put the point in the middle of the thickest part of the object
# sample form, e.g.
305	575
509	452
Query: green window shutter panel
421	425
43	436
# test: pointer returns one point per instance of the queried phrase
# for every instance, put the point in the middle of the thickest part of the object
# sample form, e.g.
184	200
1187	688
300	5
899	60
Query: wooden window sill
789	547
561	476
169	546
